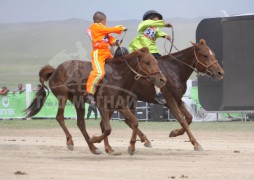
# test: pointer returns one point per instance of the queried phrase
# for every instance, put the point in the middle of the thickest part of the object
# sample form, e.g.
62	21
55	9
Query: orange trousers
99	57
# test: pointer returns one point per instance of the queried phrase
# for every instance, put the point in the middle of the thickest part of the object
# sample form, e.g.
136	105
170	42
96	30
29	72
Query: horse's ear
202	42
144	49
193	44
141	50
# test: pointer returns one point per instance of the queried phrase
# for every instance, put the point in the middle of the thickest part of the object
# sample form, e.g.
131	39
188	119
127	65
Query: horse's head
206	61
148	67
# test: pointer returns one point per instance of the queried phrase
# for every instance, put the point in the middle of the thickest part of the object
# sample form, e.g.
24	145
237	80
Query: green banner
50	107
12	105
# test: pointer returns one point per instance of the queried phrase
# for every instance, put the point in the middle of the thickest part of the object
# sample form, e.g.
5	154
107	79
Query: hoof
198	148
115	153
148	144
109	151
172	134
70	147
131	151
96	151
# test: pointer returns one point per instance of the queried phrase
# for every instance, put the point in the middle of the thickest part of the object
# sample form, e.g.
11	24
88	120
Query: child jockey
149	31
101	40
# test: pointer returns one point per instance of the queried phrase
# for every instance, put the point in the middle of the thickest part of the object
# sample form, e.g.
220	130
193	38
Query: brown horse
177	68
68	82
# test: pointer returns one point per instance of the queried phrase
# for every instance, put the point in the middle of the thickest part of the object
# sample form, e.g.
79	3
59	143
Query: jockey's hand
124	28
168	37
117	43
168	25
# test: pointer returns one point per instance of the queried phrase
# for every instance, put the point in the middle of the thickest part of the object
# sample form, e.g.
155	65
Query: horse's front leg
108	148
141	135
134	123
105	127
188	118
180	118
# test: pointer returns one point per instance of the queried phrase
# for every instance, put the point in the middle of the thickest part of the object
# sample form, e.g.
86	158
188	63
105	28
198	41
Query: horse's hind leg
60	118
188	118
82	126
105	125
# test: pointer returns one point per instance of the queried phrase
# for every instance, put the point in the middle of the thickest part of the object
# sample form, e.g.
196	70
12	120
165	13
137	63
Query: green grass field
238	126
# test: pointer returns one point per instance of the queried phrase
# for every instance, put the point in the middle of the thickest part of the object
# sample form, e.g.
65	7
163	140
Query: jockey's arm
150	23
108	30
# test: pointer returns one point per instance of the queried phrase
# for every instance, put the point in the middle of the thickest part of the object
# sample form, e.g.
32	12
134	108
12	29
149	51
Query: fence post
28	90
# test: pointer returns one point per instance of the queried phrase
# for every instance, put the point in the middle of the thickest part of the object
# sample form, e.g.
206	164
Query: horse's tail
41	94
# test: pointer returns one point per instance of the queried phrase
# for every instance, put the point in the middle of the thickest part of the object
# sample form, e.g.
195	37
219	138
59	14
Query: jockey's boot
91	100
160	98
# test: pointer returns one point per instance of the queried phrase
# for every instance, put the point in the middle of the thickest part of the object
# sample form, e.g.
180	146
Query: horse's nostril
162	81
221	73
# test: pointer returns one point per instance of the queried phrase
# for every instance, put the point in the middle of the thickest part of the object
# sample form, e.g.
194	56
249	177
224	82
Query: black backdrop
232	40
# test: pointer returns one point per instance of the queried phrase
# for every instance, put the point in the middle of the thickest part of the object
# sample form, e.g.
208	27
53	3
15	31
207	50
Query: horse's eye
148	63
205	56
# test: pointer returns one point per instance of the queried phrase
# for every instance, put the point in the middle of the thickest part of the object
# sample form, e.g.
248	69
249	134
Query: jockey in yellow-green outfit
148	32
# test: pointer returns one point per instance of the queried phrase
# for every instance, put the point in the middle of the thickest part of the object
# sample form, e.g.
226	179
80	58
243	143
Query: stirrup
160	99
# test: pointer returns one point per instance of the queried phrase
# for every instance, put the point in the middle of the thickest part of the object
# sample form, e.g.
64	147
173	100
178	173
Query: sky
12	11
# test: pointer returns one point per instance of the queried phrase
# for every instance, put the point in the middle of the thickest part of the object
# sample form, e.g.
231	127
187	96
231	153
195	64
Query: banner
13	106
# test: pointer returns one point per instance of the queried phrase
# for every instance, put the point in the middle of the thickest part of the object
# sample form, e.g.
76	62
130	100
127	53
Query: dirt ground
42	154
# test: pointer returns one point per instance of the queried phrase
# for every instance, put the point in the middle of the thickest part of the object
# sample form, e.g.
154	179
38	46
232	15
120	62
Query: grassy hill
26	47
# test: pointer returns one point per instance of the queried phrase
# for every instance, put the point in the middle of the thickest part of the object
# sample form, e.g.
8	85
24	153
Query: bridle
207	71
147	76
197	61
205	66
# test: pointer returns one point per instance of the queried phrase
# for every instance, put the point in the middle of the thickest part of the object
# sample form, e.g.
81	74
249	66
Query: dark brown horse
177	68
68	82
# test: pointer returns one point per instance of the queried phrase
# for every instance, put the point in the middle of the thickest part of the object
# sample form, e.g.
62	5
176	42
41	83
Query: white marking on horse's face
210	52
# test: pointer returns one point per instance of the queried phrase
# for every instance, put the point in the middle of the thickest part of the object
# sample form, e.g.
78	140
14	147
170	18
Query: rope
171	42
137	75
195	69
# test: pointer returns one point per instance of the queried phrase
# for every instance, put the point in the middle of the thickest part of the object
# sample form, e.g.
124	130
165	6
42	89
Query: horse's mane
121	59
201	42
180	52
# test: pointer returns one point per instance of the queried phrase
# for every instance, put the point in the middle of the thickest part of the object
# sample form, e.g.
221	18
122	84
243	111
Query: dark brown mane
201	42
121	59
181	52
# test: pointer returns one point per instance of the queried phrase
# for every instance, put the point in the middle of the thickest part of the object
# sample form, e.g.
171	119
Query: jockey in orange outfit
101	41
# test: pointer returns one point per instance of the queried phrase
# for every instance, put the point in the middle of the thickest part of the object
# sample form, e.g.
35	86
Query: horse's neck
187	57
121	73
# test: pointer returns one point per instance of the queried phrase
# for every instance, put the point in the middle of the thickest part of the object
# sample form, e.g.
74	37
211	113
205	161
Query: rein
137	76
197	60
